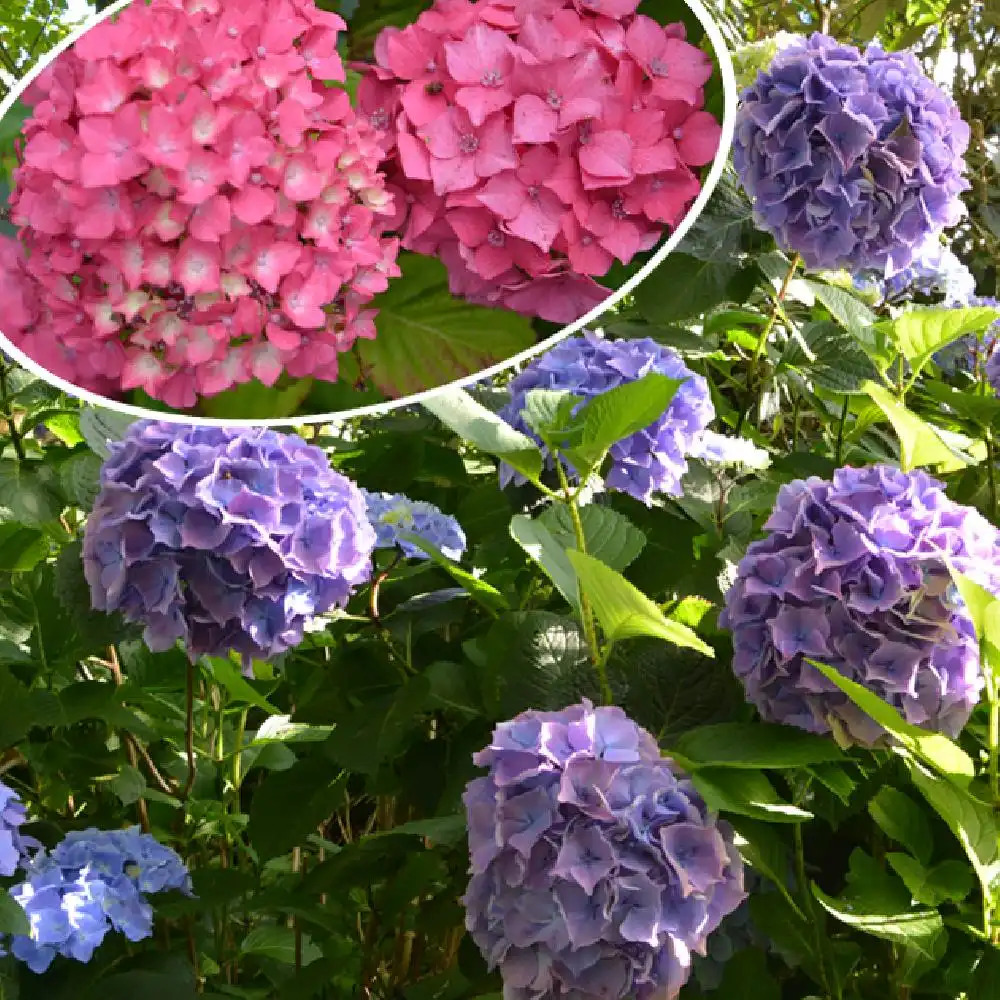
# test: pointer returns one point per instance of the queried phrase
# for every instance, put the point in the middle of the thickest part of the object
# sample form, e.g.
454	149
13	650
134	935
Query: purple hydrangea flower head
852	159
651	460
13	843
853	573
93	882
393	515
228	539
934	270
596	867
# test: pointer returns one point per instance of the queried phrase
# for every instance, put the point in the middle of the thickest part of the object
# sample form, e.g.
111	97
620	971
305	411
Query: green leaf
129	784
838	363
279	944
13	919
549	412
79	477
919	443
746	793
624	611
548	552
21	709
617	414
682	287
21	548
920	333
934	749
228	675
99	426
477	425
610	536
441	831
745	976
288	806
764	848
427	336
255	401
534	659
986	982
848	310
27	492
970	820
913	928
489	597
948	882
755	745
903	821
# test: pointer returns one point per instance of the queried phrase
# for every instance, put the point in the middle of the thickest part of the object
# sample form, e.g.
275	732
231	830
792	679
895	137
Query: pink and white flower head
196	209
533	144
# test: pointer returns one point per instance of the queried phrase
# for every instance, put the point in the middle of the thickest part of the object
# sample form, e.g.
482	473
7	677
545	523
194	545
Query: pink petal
496	151
608	156
211	219
252	205
534	120
699	139
503	194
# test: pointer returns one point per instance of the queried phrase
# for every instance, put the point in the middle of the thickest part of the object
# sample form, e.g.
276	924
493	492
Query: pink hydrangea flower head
196	207
534	144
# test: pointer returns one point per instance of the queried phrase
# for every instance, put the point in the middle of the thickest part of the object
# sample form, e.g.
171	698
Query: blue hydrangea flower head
227	539
93	882
596	867
651	460
934	270
393	515
13	843
851	158
853	573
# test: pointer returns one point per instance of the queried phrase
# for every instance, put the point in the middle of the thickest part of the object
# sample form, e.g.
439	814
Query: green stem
586	611
762	342
991	473
841	428
8	413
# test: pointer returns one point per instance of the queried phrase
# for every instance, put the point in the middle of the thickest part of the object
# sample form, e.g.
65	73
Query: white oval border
725	64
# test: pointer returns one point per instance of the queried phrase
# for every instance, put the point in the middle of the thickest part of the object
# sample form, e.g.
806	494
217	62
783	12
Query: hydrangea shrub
531	146
597	869
852	159
229	540
196	206
92	883
853	573
651	460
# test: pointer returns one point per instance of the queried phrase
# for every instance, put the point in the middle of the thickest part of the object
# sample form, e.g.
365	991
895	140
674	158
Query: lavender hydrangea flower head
853	574
93	882
934	270
852	159
596	867
651	460
225	538
393	515
12	842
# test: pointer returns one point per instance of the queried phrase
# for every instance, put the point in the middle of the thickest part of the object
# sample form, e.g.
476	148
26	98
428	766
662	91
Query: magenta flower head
651	460
198	208
227	539
596	867
851	158
532	145
853	573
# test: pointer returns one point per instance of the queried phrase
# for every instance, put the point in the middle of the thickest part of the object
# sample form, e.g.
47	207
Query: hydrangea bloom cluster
596	867
651	460
230	540
534	144
93	882
852	573
934	270
852	159
196	207
393	515
13	843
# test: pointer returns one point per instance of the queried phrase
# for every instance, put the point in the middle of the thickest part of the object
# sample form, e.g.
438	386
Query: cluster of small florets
13	844
92	883
852	159
534	144
394	515
196	208
229	540
853	573
596	867
651	460
934	271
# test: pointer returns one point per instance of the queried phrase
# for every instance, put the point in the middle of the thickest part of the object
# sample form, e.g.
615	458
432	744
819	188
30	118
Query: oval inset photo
272	209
